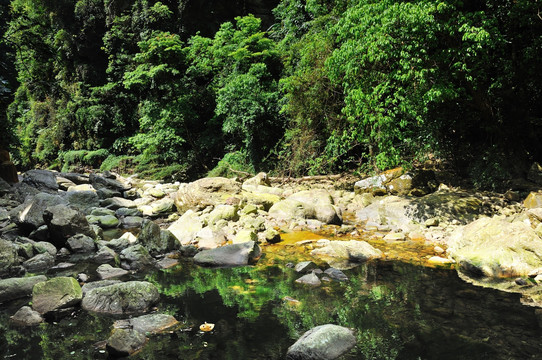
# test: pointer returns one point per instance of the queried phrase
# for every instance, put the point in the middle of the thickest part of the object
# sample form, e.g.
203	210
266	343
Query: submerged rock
325	342
309	279
25	316
151	323
229	255
57	293
124	342
124	298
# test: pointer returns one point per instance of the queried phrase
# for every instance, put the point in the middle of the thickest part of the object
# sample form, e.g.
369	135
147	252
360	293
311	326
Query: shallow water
400	311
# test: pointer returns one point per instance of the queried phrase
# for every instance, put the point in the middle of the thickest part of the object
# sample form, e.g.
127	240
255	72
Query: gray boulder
40	262
64	222
186	227
115	203
8	257
136	257
16	288
81	244
83	201
124	342
309	279
325	342
25	316
204	192
124	298
229	255
43	180
107	271
30	214
57	293
76	178
341	254
101	182
106	255
98	284
130	222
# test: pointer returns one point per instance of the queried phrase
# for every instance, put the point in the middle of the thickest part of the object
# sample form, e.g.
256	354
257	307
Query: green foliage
236	161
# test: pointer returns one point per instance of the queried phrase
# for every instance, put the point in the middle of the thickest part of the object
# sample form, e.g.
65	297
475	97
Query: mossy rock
57	293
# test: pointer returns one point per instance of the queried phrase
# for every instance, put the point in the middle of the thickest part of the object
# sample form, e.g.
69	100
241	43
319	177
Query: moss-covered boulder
346	254
123	298
19	287
57	293
495	247
8	257
223	212
229	255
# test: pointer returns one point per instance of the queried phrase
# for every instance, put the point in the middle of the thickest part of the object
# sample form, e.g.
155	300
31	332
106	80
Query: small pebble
520	281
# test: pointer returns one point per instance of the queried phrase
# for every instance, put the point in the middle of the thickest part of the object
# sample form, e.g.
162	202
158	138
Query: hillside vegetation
325	86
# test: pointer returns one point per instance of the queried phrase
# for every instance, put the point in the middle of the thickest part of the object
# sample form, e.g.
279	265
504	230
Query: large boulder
406	213
131	297
20	287
495	247
289	209
186	227
322	203
30	214
64	222
43	180
83	201
343	254
8	257
325	342
533	200
229	255
40	262
54	294
204	192
81	244
101	182
124	342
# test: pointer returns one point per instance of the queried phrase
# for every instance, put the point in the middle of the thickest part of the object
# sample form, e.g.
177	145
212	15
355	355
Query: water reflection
400	311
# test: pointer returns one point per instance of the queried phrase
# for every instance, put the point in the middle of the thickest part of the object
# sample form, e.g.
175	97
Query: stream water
400	311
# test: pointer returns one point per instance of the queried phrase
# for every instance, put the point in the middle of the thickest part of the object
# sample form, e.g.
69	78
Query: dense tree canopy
330	86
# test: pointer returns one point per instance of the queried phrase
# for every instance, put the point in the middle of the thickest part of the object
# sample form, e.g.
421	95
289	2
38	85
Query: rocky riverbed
127	227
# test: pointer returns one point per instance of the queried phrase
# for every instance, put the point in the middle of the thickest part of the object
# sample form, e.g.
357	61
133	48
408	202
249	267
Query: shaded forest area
183	88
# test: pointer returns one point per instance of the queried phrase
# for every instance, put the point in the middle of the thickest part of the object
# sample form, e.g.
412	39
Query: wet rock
64	222
520	281
20	287
305	267
42	247
123	298
76	178
494	247
136	257
336	274
124	342
25	316
148	324
43	180
393	236
30	214
229	255
8	256
56	293
107	271
121	212
309	279
205	192
40	262
80	243
325	342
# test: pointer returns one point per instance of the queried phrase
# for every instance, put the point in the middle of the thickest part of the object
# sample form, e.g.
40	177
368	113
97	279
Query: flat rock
106	271
151	323
124	298
40	262
56	293
43	180
309	279
124	342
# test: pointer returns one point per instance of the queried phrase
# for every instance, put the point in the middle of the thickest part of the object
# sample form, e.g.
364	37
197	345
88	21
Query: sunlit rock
325	342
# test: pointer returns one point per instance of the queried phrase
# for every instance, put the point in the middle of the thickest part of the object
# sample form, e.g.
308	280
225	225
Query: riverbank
128	227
